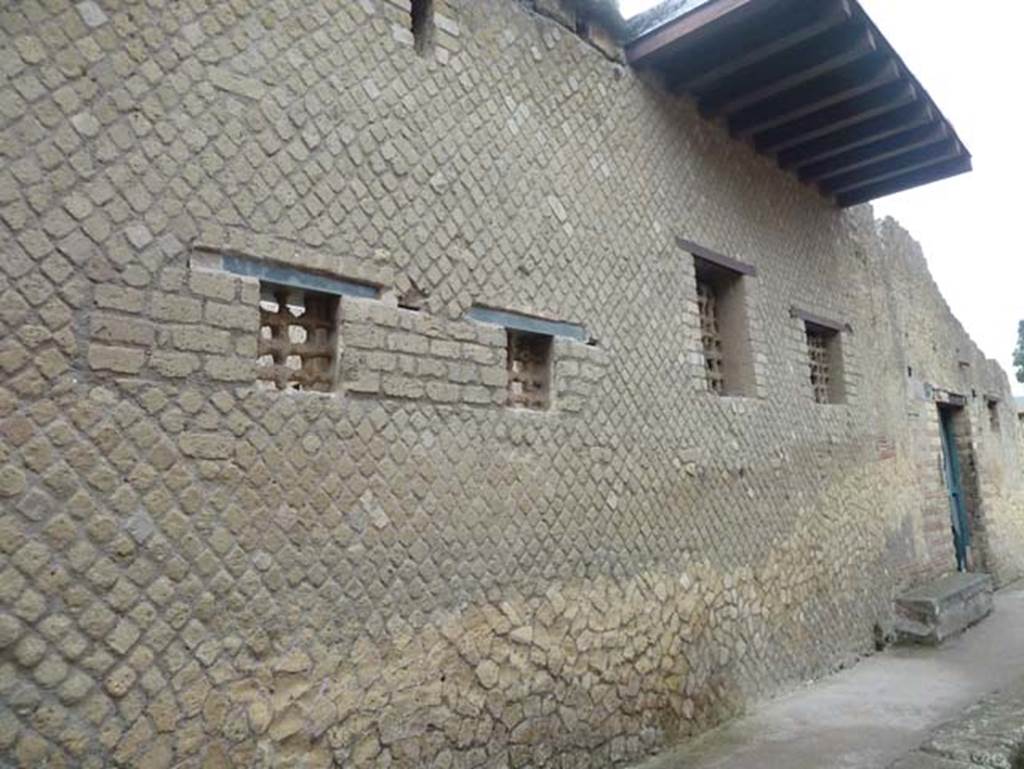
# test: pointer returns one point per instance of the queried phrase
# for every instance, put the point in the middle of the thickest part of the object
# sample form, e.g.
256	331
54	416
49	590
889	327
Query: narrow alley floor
873	713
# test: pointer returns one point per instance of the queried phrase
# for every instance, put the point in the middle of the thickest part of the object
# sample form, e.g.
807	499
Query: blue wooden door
951	472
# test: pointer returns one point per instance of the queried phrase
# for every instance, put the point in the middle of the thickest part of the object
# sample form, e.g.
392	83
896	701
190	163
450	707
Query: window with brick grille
821	376
724	332
710	337
298	339
529	369
825	363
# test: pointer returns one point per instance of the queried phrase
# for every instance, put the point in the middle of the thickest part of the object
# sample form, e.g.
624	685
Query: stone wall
197	571
941	359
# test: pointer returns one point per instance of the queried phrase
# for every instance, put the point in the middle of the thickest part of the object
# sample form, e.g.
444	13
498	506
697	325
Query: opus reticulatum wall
398	569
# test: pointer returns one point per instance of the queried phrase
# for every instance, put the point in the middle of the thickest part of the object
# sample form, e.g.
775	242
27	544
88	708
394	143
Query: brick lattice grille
710	336
297	342
529	370
821	370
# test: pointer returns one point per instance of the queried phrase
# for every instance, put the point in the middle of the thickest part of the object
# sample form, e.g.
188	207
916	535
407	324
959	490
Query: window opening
824	358
993	414
298	339
529	369
724	333
422	13
710	337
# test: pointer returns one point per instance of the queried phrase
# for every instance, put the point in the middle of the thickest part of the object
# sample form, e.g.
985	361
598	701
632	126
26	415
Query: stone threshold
932	613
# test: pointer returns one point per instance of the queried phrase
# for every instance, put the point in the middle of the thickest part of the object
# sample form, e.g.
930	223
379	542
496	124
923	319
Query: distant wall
942	358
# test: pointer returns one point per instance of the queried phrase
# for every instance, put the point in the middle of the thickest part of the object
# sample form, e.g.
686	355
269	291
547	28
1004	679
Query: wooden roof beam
869	130
696	25
895	166
831	119
713	61
868	192
853	80
786	70
873	152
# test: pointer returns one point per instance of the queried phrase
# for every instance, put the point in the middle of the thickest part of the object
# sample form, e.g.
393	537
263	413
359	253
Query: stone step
931	613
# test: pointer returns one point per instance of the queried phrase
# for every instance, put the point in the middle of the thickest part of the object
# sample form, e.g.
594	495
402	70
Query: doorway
950	418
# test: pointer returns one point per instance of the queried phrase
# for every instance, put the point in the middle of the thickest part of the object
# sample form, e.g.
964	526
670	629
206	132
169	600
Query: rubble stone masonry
197	571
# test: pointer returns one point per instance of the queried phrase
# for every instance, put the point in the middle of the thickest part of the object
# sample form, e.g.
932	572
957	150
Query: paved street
874	713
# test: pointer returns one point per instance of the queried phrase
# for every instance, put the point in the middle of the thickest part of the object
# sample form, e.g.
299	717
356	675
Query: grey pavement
873	713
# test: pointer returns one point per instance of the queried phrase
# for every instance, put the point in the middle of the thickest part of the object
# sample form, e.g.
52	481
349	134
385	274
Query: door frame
953	479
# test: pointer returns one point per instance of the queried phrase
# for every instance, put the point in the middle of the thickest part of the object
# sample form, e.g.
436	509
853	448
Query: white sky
970	58
630	8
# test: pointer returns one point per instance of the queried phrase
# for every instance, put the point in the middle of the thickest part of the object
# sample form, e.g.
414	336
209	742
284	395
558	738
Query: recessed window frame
823	346
992	404
271	274
722	286
711	336
520	325
530	366
297	347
